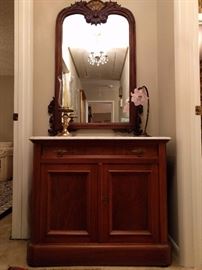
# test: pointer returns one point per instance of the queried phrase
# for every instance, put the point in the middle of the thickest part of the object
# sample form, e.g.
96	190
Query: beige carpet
13	253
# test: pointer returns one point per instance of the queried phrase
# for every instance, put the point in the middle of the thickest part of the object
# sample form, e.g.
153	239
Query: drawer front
99	148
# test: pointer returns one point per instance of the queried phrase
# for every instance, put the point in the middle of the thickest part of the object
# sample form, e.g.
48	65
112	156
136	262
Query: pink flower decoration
139	97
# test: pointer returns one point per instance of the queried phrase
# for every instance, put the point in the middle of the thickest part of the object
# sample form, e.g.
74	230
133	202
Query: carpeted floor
5	196
12	252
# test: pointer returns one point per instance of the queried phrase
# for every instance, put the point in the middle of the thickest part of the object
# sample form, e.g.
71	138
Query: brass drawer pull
138	151
61	152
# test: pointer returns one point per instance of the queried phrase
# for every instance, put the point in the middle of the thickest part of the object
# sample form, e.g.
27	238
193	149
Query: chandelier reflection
97	58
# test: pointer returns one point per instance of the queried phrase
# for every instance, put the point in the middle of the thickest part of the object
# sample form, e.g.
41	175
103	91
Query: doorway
100	111
6	104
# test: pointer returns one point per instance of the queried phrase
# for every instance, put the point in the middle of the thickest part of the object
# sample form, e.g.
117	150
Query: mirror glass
95	69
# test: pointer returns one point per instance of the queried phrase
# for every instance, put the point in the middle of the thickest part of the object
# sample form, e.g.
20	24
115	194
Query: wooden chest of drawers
99	202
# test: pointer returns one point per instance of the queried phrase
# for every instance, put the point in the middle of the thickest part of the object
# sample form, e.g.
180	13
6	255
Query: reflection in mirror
95	68
100	111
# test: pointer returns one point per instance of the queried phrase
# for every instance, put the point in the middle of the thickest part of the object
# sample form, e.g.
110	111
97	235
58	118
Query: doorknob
198	110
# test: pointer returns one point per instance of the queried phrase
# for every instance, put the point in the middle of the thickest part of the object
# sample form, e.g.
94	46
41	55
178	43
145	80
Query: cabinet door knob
138	151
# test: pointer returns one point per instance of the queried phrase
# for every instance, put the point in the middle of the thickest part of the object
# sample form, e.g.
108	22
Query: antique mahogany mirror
95	67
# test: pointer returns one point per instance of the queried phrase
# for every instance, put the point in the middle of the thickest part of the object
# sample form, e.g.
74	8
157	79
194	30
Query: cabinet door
130	203
68	203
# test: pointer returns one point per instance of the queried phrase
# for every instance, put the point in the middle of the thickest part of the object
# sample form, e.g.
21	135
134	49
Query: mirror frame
95	12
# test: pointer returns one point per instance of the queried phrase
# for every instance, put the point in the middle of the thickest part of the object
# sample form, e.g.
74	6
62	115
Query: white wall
167	106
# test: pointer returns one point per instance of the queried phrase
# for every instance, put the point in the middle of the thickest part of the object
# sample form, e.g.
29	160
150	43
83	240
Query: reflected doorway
100	111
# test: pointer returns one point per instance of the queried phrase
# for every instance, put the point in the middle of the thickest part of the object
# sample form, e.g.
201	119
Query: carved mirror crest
95	59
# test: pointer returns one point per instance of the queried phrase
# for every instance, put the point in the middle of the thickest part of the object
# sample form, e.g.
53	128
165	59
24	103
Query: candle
65	92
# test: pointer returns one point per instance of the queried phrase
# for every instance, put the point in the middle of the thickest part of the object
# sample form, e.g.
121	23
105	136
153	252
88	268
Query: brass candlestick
66	118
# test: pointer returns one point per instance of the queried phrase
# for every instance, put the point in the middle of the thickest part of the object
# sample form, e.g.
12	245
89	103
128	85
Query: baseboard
175	251
98	254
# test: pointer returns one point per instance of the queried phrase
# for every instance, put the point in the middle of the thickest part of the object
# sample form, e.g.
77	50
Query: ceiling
6	37
112	70
112	38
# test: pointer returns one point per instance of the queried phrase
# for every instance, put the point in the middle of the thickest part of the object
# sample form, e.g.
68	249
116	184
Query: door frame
100	101
23	105
188	132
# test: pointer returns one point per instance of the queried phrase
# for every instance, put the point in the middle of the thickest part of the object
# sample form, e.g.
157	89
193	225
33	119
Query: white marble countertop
99	137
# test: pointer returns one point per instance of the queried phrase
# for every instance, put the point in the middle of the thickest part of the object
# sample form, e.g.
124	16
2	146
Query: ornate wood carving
95	5
51	109
99	11
95	11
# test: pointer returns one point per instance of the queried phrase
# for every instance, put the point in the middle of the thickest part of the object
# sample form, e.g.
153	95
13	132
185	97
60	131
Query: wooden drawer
99	148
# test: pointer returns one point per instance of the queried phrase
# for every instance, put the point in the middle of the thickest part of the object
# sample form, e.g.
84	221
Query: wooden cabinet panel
67	201
99	202
91	147
130	203
69	207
